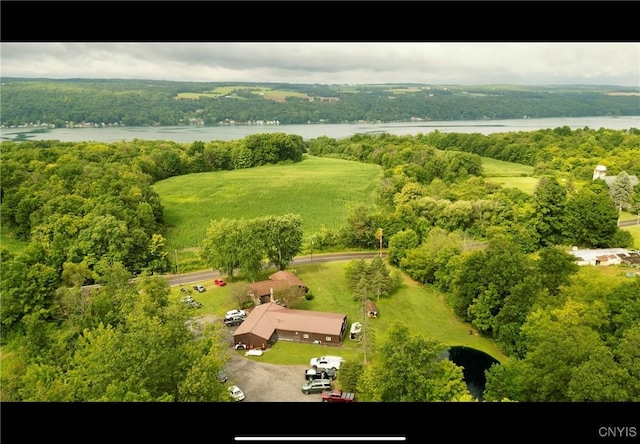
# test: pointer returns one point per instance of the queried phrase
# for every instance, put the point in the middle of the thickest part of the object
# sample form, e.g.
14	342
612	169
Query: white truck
328	362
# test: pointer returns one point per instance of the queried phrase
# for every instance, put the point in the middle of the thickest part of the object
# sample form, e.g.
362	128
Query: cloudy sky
329	63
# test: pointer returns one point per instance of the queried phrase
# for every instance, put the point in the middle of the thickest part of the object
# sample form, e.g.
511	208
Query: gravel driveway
267	382
261	381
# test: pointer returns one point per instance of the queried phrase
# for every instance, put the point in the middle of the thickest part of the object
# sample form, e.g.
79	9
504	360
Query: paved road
203	275
628	223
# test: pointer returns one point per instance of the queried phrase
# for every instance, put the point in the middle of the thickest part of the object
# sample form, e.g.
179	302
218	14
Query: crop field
320	190
228	90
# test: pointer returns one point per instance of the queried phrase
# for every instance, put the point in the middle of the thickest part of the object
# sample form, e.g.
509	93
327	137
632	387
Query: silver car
316	386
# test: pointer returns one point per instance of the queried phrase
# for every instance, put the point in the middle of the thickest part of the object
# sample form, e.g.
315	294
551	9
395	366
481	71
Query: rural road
202	275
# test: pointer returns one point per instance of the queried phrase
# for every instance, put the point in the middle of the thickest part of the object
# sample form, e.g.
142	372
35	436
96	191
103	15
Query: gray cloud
324	62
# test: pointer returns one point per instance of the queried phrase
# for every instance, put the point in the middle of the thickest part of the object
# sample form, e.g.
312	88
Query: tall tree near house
621	190
381	283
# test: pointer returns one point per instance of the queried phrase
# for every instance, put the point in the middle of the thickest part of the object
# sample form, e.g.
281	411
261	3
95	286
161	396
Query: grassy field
526	184
499	168
421	308
509	174
12	244
635	232
320	190
228	90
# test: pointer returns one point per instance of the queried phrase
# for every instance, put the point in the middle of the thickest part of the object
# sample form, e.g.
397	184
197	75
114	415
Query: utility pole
364	328
312	252
379	237
177	267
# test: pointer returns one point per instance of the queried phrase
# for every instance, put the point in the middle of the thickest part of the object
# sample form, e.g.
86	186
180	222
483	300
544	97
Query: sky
471	63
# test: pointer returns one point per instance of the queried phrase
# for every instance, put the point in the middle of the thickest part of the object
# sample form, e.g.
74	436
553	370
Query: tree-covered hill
71	102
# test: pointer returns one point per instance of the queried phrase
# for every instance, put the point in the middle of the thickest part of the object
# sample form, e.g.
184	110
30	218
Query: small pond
474	363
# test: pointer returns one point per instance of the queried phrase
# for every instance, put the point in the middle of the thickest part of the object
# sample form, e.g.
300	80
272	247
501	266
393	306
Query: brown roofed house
270	322
262	291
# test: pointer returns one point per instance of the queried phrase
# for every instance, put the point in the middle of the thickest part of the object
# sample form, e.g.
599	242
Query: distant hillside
72	102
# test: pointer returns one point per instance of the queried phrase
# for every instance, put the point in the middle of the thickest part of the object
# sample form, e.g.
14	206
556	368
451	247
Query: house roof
603	254
279	279
264	319
285	276
610	179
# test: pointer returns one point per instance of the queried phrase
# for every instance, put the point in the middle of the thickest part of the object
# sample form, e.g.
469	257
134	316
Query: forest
89	215
77	102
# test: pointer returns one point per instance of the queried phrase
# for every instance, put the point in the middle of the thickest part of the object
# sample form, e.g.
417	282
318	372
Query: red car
219	282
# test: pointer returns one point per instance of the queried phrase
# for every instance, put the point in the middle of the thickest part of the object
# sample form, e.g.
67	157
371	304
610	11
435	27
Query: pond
474	363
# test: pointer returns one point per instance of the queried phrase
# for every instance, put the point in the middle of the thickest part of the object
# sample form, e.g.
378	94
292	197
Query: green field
635	232
319	189
509	174
526	184
12	244
228	90
499	168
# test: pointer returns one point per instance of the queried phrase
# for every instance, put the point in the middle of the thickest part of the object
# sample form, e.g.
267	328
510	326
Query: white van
332	362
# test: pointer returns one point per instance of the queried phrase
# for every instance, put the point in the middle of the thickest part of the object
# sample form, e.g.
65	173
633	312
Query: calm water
336	131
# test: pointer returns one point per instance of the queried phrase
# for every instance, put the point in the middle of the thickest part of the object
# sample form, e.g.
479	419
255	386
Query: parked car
235	313
240	346
199	288
190	302
232	322
313	373
236	393
337	396
222	376
356	330
316	386
219	282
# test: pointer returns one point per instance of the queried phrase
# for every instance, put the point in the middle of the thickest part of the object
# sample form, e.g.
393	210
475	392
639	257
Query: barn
270	322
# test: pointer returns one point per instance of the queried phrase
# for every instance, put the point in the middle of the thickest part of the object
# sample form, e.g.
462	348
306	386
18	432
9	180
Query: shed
371	308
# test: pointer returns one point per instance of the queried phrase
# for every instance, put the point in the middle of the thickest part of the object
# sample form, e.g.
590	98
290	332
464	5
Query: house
270	322
262	291
604	256
600	172
371	308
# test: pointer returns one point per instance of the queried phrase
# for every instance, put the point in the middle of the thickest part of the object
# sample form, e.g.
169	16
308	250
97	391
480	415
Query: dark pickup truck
337	396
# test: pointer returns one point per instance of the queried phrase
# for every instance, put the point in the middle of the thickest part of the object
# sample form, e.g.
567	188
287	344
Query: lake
336	131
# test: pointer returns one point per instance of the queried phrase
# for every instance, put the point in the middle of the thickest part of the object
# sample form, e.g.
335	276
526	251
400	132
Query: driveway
262	382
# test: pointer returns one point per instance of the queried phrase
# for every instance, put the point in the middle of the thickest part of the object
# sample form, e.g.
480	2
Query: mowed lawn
320	190
421	308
